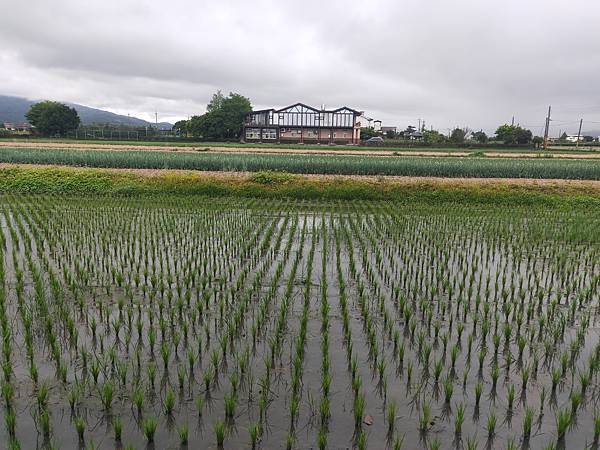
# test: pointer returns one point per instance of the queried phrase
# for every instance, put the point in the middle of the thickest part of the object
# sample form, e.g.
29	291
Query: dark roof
256	111
297	104
304	105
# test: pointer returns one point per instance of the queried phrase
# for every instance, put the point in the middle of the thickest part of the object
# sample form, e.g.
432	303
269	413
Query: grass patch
64	180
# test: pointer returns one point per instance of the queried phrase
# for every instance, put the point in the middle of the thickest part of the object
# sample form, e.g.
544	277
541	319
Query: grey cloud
462	63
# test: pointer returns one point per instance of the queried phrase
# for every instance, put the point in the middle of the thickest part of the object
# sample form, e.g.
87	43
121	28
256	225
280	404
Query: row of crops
278	324
544	168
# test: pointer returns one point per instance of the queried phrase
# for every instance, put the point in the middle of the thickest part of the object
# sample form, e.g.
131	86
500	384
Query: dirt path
265	150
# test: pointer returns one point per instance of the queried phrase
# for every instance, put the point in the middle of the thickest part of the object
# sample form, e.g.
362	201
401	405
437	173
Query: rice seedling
478	391
199	404
361	440
10	419
219	428
527	422
169	401
138	399
596	425
391	416
253	431
510	396
322	439
230	404
563	420
183	432
491	424
471	443
107	394
117	424
44	421
448	390
424	417
149	425
459	419
435	444
80	427
359	409
398	441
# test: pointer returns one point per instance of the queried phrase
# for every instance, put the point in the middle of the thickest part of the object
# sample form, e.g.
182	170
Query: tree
513	134
223	118
180	127
480	137
390	134
216	102
53	118
432	137
537	141
368	133
458	136
409	130
563	137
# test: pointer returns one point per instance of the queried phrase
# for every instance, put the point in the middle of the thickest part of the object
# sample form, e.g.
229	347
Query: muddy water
429	257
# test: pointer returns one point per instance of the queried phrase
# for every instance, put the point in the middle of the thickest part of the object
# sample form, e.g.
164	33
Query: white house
574	138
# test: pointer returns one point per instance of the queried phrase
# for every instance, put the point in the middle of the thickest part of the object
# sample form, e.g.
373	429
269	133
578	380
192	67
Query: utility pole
547	129
512	124
579	132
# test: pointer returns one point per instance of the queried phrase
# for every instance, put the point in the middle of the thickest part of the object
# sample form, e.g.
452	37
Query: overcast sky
453	63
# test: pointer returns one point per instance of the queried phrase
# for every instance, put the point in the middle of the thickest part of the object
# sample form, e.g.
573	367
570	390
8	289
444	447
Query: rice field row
466	167
245	324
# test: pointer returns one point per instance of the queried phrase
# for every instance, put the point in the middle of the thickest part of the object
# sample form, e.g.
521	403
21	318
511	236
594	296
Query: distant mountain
13	109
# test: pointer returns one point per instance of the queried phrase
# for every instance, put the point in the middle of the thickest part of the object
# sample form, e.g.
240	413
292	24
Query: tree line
225	114
507	134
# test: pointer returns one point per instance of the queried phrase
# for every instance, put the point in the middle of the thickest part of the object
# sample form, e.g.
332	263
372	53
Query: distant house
300	123
10	126
386	129
415	135
574	138
364	121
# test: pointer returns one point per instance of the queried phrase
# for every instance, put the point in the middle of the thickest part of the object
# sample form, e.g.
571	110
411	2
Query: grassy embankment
67	181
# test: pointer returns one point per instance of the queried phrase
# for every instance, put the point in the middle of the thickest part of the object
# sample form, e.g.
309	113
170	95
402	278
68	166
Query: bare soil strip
324	151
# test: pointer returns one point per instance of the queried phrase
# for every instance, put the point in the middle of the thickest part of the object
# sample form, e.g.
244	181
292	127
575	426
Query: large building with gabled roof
300	123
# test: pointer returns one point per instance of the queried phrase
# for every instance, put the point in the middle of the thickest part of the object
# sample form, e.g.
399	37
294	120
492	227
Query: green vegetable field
469	167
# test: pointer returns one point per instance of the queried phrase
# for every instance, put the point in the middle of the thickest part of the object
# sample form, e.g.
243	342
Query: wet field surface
149	323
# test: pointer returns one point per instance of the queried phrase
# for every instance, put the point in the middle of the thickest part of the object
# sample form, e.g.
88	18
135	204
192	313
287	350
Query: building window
269	133
253	133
